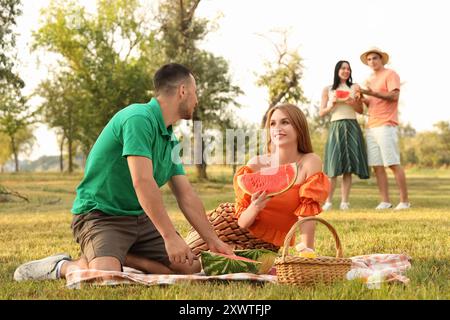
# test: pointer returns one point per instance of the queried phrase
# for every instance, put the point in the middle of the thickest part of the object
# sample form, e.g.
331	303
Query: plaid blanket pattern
78	277
377	268
371	269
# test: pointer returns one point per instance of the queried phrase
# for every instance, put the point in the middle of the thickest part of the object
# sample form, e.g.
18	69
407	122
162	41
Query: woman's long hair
298	121
337	80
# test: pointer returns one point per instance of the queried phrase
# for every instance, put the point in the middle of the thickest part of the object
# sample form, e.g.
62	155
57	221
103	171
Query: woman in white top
345	152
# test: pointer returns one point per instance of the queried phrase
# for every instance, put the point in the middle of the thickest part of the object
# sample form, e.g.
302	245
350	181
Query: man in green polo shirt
119	216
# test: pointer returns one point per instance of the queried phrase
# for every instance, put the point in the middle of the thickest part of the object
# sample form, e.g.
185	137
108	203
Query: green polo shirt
137	130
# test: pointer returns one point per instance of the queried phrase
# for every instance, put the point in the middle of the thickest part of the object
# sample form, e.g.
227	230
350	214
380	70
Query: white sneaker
403	205
327	206
344	206
43	269
383	206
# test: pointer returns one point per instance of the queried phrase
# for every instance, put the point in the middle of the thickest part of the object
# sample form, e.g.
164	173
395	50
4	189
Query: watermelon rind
214	264
255	175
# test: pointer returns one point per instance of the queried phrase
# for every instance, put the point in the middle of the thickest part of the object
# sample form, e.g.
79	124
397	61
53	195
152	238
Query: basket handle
291	232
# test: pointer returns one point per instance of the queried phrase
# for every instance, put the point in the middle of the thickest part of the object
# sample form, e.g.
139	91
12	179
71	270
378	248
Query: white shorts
382	146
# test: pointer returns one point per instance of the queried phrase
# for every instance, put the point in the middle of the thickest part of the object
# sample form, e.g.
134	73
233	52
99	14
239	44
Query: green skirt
345	150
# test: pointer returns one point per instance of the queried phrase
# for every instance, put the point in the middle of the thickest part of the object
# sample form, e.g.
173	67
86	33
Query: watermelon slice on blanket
214	264
272	180
342	94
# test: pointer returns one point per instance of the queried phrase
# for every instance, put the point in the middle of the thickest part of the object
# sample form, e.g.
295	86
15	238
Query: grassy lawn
42	227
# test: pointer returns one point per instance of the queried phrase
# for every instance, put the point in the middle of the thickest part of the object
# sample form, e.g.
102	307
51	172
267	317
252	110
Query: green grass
42	227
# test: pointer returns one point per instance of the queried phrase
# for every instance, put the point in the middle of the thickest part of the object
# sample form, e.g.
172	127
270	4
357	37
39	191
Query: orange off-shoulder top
281	212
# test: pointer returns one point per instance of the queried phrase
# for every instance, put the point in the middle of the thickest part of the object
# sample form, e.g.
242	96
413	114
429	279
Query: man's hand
367	91
178	251
219	246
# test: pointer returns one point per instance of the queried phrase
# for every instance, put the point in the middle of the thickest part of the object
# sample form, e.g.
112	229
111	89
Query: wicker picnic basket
296	270
225	224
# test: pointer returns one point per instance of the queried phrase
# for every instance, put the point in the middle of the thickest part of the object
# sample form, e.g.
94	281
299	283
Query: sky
323	31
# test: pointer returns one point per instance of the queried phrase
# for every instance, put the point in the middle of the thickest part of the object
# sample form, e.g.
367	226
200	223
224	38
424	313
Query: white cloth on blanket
375	269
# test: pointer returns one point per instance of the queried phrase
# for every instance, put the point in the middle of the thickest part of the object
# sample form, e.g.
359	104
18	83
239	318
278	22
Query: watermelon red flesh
342	94
272	180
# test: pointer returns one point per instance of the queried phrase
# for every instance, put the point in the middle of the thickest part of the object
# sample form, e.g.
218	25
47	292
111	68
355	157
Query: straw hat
384	55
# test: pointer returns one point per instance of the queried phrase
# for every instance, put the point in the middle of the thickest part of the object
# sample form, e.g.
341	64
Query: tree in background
9	11
429	149
107	60
61	110
282	77
15	116
101	57
15	121
5	151
180	33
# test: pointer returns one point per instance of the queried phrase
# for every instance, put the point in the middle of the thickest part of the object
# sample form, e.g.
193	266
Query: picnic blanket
375	269
131	276
370	269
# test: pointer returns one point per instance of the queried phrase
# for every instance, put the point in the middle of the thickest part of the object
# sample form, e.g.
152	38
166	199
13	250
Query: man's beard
185	113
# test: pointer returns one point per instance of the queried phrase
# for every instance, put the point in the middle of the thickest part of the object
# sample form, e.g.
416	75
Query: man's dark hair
169	76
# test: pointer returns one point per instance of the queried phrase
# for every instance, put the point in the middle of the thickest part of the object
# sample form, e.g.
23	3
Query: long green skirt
345	150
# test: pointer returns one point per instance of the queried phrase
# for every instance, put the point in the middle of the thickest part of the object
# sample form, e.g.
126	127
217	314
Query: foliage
180	34
10	10
5	149
15	115
427	148
106	62
282	77
101	68
15	120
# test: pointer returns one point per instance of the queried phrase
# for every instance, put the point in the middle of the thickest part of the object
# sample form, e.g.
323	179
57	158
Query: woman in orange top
271	218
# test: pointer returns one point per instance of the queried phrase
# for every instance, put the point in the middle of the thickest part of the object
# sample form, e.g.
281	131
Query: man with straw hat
382	95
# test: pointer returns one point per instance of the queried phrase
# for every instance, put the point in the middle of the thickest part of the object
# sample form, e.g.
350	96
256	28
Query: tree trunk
201	171
69	144
201	168
61	155
234	158
15	153
199	147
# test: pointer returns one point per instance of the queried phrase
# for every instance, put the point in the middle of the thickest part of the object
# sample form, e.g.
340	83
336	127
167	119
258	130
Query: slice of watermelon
272	180
342	94
216	264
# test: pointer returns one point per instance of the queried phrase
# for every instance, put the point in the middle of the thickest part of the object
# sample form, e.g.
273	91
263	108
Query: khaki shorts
382	146
103	235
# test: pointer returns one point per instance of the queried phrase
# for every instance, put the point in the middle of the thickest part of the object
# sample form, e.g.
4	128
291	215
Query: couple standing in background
345	150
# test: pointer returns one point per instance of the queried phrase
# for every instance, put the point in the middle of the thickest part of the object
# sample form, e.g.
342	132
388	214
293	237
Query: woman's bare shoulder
312	163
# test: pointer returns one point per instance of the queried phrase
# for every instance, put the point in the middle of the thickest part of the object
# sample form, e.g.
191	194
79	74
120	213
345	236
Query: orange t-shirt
281	212
383	112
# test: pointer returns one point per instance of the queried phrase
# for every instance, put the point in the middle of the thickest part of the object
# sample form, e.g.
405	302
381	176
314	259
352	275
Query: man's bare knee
106	264
395	168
